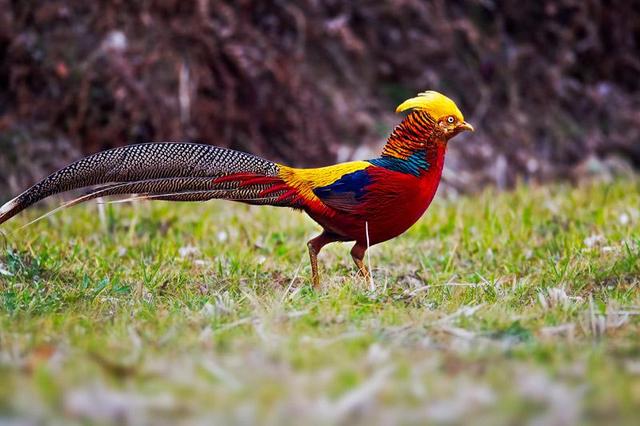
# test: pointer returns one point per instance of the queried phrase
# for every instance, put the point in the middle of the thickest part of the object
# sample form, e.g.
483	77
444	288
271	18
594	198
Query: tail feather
167	171
190	189
200	196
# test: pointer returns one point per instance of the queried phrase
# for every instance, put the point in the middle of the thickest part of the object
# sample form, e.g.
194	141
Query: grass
501	308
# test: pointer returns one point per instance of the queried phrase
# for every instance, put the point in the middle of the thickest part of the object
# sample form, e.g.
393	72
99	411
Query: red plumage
393	202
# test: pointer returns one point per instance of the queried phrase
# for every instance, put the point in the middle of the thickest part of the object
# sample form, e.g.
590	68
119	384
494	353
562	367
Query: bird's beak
466	126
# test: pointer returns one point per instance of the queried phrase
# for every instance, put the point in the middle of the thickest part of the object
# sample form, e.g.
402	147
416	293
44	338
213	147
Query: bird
365	202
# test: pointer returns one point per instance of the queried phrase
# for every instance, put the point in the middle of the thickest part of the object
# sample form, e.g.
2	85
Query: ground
501	308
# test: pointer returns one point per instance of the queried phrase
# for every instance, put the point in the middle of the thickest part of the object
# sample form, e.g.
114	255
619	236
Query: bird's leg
315	245
357	253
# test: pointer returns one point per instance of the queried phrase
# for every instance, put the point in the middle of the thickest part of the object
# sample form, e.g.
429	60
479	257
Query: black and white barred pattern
152	168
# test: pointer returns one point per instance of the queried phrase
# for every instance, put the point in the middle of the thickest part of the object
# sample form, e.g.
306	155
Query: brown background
553	87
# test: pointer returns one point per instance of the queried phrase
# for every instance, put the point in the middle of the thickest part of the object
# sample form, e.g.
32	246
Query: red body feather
394	201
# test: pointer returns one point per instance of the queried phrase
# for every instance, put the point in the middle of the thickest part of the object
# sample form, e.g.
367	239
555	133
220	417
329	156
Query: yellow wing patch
306	180
434	103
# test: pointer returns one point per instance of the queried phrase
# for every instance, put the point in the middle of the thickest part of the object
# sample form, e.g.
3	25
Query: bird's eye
450	120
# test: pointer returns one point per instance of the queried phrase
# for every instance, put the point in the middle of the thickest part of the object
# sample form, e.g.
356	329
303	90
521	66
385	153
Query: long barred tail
166	171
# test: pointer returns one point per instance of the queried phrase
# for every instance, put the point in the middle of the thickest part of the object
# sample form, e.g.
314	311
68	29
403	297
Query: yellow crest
434	103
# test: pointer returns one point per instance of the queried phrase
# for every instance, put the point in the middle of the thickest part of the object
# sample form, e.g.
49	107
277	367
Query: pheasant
367	202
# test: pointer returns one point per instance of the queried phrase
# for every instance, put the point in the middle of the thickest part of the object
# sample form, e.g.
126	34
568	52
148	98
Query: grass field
503	308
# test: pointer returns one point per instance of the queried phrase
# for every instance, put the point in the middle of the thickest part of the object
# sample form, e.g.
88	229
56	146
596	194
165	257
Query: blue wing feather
345	193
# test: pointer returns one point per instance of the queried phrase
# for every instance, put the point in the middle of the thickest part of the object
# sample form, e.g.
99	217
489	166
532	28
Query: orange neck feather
413	134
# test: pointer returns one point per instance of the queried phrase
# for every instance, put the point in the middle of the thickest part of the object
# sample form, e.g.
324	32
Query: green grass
501	308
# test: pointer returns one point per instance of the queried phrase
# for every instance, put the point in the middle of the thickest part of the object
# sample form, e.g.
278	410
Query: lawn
500	308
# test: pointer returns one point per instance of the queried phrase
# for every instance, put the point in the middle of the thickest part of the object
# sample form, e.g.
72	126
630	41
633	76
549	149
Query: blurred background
552	87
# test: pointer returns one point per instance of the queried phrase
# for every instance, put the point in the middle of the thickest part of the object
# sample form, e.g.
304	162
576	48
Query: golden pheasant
363	201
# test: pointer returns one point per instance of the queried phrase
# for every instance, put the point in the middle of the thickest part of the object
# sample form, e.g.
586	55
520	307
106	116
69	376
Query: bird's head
444	113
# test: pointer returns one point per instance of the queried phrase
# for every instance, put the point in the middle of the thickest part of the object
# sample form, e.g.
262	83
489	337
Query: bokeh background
553	87
515	307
